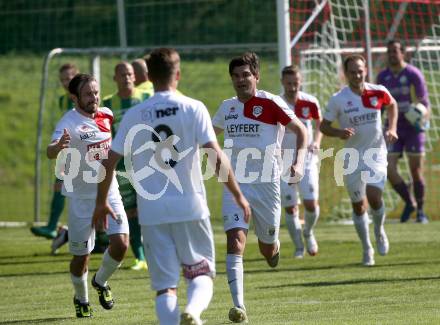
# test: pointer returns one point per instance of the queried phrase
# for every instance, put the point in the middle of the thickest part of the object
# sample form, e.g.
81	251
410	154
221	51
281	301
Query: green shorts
128	193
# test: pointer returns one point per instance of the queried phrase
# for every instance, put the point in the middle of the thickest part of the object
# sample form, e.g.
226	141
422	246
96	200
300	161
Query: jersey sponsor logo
364	118
351	110
151	116
231	115
257	111
235	130
99	150
87	135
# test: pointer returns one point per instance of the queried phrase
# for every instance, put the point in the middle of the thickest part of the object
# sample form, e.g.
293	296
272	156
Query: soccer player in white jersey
357	108
83	137
253	123
306	108
160	140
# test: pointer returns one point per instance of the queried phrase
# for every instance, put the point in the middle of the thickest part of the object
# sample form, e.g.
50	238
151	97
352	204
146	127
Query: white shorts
168	247
357	182
81	233
265	202
308	188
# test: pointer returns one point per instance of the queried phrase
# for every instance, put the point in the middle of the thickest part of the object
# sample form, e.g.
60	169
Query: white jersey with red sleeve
254	131
362	113
91	137
306	109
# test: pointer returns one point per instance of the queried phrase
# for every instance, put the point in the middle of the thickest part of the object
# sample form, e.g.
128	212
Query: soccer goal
322	32
204	76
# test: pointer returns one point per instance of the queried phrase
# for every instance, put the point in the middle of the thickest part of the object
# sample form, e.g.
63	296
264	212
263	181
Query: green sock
136	239
56	209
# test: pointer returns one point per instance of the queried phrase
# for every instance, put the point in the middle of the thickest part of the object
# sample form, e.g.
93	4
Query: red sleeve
265	110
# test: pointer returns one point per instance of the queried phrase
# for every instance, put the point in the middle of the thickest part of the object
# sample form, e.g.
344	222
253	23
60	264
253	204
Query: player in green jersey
127	96
141	77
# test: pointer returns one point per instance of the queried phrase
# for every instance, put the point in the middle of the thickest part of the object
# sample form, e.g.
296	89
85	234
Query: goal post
324	31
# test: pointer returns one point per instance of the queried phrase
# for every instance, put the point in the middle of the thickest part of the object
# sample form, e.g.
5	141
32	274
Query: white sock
311	218
361	225
199	294
108	266
234	270
294	227
167	309
80	287
378	217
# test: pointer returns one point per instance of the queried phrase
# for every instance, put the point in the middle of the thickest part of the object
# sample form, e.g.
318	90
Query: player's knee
78	264
359	208
202	268
235	246
291	209
119	243
310	205
236	241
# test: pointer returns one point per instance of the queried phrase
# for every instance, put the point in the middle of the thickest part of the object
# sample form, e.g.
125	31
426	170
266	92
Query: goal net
342	27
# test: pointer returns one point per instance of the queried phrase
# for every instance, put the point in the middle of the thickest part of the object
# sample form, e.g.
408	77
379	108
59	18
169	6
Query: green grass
331	288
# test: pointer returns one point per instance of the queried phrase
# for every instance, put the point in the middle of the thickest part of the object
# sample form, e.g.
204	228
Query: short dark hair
395	42
249	58
76	84
353	57
290	70
68	66
162	63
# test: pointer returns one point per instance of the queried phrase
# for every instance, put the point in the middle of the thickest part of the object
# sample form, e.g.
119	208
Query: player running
357	107
306	108
253	123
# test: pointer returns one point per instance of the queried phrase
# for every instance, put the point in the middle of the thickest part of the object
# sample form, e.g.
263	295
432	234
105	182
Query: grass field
331	288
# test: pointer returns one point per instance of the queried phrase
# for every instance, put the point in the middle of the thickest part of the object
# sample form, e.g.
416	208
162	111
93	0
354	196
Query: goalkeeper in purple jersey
407	85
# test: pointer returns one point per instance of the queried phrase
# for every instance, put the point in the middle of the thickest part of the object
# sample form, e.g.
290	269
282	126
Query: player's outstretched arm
327	129
222	165
102	208
392	114
54	148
